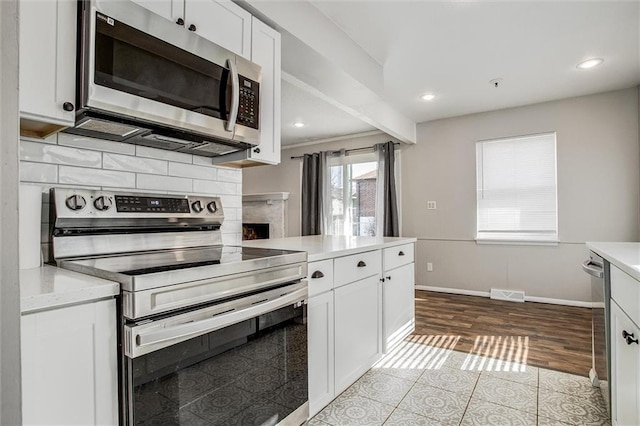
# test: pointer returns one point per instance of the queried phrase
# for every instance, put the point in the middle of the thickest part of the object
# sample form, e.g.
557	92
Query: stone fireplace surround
268	208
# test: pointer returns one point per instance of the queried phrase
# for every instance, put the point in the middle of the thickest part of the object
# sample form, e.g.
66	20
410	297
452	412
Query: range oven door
238	362
135	64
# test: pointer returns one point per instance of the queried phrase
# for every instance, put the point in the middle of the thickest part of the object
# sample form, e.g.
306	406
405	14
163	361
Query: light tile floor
417	384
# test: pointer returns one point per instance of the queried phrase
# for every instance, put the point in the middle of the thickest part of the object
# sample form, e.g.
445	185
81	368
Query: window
516	189
353	186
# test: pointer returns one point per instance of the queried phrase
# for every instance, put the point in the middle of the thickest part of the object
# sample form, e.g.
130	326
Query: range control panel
83	203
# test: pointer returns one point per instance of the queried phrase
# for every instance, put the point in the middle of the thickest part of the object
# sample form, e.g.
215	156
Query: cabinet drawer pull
317	274
389	278
180	22
361	264
629	337
192	27
401	253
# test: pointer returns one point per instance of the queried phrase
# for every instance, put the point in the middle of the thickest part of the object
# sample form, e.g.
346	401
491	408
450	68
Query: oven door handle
142	342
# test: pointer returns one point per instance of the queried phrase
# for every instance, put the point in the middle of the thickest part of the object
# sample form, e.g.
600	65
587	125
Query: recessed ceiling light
299	124
428	97
590	63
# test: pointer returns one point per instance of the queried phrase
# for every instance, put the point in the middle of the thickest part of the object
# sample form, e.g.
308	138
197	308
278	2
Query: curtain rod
366	148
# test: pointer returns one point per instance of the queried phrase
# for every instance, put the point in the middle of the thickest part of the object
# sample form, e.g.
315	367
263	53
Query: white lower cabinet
398	306
358	331
625	368
321	360
69	365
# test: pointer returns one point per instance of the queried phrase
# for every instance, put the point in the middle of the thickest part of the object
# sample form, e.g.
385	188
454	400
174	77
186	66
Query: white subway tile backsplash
229	175
128	163
144	151
166	183
95	144
215	188
54	154
202	161
38	172
232	226
192	171
231	239
230	213
231	201
53	139
82	176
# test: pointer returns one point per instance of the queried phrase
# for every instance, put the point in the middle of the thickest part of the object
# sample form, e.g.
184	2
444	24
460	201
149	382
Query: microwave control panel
248	110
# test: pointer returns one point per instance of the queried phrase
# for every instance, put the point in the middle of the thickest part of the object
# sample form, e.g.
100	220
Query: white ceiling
322	120
454	48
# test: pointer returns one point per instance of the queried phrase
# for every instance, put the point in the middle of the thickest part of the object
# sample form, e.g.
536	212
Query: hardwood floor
543	335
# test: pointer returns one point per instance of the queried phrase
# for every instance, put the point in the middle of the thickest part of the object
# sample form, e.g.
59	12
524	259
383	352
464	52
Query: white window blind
516	187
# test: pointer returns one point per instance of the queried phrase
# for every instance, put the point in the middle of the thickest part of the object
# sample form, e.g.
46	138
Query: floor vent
513	296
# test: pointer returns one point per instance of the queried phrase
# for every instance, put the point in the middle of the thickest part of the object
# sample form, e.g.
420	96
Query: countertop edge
611	252
50	287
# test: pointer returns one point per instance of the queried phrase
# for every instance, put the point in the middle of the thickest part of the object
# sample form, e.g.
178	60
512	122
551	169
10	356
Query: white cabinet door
69	365
321	361
358	343
169	9
223	22
47	65
398	306
265	51
625	369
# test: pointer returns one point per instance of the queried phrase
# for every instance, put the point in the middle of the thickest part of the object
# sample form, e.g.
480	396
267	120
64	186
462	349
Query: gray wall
598	193
286	177
598	185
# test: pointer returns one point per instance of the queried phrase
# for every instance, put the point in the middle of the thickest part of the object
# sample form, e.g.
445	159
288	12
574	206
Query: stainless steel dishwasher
600	372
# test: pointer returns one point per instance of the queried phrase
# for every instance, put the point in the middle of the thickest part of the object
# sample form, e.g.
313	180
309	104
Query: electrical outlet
431	205
429	267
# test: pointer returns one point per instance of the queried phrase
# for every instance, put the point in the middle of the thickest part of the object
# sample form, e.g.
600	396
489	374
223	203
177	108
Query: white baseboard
453	291
535	299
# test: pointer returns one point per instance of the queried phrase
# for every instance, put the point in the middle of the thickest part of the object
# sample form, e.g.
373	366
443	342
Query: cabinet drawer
352	268
320	276
625	290
397	256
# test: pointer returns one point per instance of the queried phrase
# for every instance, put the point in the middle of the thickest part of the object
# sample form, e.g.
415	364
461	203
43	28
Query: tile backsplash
77	161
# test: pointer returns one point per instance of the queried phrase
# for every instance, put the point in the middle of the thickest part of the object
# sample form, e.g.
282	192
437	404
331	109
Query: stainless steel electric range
209	334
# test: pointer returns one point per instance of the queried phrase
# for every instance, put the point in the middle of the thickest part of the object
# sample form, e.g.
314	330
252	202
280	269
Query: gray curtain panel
312	189
390	218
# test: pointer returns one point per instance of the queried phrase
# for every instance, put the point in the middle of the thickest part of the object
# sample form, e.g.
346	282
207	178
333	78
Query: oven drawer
355	267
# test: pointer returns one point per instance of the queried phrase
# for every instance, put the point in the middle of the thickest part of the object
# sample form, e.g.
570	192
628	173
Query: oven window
253	372
134	62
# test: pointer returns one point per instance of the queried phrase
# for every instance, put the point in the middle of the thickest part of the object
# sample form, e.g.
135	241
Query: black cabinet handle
192	27
401	253
361	264
629	337
257	150
68	106
382	279
317	274
180	22
389	278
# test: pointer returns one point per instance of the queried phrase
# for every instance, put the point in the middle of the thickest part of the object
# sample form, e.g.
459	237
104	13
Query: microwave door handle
235	96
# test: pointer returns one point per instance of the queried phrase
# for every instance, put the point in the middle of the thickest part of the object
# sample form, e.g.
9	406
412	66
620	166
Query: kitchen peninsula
361	303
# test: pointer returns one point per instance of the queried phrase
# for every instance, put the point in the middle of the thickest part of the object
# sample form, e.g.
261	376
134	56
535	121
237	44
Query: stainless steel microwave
145	80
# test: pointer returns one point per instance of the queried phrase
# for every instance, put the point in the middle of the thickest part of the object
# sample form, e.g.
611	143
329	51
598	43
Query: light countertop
320	247
625	256
50	287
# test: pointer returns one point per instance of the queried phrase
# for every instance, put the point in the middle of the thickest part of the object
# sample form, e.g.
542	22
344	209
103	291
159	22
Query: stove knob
212	206
76	202
197	206
102	203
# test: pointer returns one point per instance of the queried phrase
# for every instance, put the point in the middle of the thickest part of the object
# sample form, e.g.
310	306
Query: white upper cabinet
222	22
47	66
266	52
